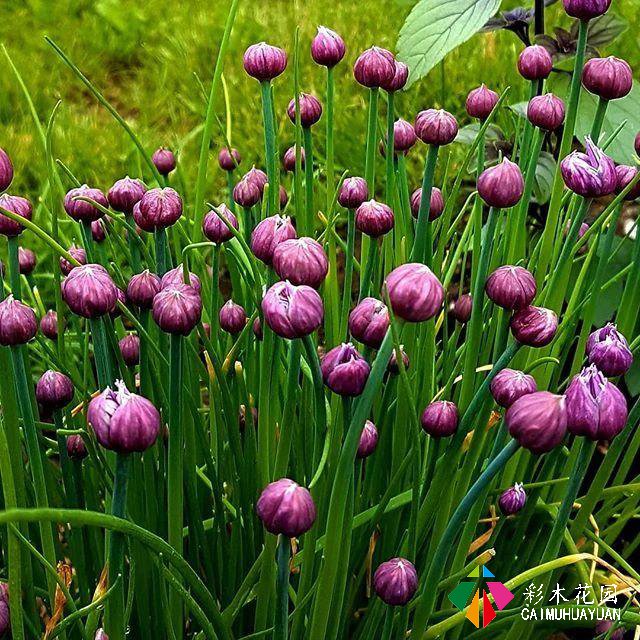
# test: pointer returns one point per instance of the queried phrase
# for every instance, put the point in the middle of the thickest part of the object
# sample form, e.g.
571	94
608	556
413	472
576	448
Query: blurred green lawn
144	59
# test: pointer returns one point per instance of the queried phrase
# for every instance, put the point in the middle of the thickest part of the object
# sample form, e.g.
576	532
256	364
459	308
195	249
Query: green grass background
143	56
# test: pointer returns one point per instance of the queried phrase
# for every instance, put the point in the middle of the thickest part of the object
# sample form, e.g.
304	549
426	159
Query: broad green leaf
468	133
545	172
436	27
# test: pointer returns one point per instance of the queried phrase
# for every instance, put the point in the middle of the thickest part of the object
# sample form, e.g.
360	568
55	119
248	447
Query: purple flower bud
292	312
54	390
76	252
49	325
89	291
122	421
637	143
327	48
369	322
345	371
18	322
17	205
375	68
510	384
286	508
301	261
268	234
609	78
257	176
374	219
436	126
603	626
130	349
5	616
264	62
512	500
158	208
584	227
596	408
257	329
462	308
164	160
625	174
177	309
368	440
310	110
399	79
436	205
26	261
289	158
229	159
608	349
142	288
546	112
6	171
176	276
586	9
80	210
534	326
538	421
481	101
284	197
395	582
214	227
353	192
393	367
440	419
535	63
247	193
404	136
511	287
502	185
76	449
125	194
232	317
98	231
591	174
414	291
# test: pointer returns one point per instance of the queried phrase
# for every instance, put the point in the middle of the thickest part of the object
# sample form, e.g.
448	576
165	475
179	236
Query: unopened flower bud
510	384
286	508
368	440
264	62
440	419
232	317
395	582
436	126
345	371
481	101
164	161
512	500
327	48
502	185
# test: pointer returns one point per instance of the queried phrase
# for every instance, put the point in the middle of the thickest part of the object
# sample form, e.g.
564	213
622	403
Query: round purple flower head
98	231
353	192
481	101
511	287
436	126
142	288
608	349
158	208
462	308
125	194
586	9
301	261
345	371
625	175
374	219
26	261
232	317
78	253
502	185
603	627
368	440
49	325
440	419
292	312
512	500
369	322
247	193
286	508
164	160
228	159
76	448
404	136
399	79
289	158
268	234
213	225
534	326
89	291
415	292
18	205
6	170
54	390
264	62
84	211
510	384
310	110
538	421
436	204
609	78
395	582
596	408
130	349
327	48
176	276
546	112
591	174
375	68
123	421
177	309
535	63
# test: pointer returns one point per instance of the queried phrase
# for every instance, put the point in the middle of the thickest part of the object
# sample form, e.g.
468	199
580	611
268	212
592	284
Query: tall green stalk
422	244
308	181
270	147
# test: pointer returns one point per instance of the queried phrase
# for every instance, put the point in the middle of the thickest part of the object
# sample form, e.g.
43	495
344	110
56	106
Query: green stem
14	267
422	247
372	125
282	589
160	239
390	149
270	147
308	181
369	270
348	269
